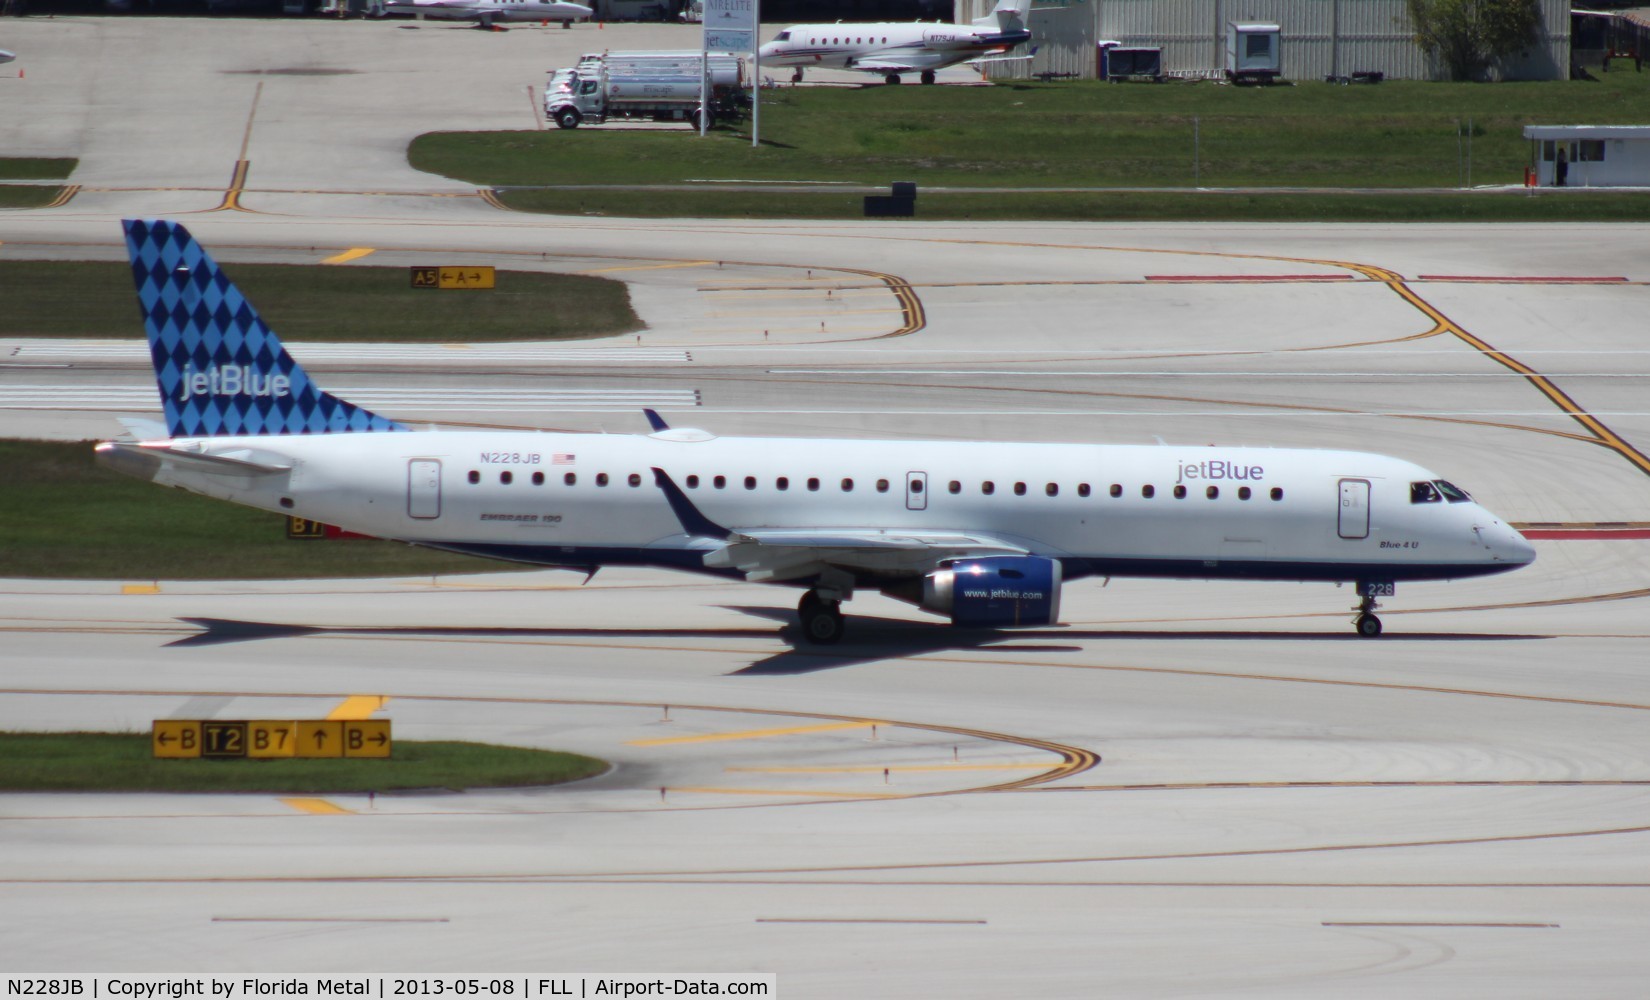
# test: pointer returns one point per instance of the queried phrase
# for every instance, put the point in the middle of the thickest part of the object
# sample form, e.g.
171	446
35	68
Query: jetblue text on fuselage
1217	468
231	380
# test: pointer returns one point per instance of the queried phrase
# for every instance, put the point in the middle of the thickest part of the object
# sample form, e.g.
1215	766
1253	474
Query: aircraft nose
1507	545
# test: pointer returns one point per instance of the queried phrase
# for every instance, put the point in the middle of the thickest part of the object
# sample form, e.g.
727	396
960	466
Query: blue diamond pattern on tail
220	369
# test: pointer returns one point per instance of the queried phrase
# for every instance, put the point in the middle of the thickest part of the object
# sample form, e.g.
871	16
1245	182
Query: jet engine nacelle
995	591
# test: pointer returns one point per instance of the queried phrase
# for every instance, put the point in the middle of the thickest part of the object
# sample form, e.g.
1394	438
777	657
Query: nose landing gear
1366	623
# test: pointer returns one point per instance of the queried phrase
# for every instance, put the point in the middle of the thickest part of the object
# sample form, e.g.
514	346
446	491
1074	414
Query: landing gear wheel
821	619
796	77
892	79
928	76
1368	626
1366	623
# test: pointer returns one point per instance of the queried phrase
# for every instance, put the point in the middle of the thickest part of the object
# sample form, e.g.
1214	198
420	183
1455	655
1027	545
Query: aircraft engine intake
996	591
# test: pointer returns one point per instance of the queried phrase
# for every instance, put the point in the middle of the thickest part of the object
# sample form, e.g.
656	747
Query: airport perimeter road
1188	790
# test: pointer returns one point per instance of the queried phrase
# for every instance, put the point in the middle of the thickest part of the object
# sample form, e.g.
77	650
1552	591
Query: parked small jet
984	533
488	12
892	48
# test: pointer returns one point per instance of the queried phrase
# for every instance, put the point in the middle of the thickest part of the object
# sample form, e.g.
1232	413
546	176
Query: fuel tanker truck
649	86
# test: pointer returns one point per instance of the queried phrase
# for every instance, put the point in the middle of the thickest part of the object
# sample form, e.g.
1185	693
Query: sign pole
704	77
756	77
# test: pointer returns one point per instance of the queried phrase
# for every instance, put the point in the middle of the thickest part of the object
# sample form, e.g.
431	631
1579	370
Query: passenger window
954	486
720	482
1148	491
538	479
988	487
601	479
1052	489
1453	493
813	484
1180	492
1019	489
1116	489
475	477
915	486
1423	493
1243	492
783	483
571	479
1082	489
750	482
1277	493
506	478
635	479
847	486
693	482
882	486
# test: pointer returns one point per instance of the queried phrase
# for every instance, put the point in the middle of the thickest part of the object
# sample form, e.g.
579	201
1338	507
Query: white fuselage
491	10
587	500
887	46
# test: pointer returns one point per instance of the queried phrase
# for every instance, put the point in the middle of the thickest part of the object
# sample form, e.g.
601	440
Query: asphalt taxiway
1189	789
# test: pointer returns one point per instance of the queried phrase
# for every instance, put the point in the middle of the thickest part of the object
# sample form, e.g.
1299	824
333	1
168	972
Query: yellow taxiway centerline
353	253
357	706
318	807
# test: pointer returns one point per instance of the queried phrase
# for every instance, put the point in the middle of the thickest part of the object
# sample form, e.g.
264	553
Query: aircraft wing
791	553
906	61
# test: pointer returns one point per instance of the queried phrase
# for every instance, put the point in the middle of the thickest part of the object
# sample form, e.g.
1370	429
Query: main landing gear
821	619
892	79
1366	623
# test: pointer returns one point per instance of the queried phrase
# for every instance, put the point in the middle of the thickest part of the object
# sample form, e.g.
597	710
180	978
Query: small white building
1590	155
1253	52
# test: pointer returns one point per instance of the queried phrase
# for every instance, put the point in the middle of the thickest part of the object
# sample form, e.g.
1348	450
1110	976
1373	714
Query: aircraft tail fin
1008	15
220	369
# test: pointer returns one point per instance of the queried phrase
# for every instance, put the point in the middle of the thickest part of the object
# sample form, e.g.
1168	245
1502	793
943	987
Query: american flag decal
561	459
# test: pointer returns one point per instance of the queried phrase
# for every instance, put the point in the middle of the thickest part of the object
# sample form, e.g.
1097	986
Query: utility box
1119	63
1253	52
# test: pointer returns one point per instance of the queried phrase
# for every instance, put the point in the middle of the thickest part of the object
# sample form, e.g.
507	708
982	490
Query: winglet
654	420
693	522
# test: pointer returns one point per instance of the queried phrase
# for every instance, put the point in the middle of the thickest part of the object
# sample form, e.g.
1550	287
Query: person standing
1561	171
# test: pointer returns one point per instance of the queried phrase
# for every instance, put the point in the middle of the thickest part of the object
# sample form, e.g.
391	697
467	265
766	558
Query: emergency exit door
1354	508
424	488
916	491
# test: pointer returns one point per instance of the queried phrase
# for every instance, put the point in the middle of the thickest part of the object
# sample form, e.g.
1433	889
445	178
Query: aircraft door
1354	515
916	491
424	488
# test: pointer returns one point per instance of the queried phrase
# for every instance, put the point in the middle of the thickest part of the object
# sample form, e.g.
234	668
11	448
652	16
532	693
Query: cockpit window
1423	493
783	36
1452	492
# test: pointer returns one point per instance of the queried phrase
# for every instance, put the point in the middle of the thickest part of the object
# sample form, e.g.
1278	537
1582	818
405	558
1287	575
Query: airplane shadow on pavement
869	639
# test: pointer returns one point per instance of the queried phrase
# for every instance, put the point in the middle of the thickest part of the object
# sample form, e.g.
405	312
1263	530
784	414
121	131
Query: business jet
983	533
892	48
488	12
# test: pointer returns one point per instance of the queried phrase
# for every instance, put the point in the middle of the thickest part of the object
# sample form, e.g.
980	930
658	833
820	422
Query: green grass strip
122	762
337	304
64	517
1401	135
1106	206
27	195
36	168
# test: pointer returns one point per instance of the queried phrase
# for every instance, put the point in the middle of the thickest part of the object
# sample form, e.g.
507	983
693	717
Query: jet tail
220	369
1008	15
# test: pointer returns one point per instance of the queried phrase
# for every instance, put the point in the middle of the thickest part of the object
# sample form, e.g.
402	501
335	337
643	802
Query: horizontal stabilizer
144	460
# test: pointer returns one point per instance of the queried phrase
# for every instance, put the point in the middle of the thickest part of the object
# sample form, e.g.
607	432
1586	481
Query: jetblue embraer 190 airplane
892	48
984	533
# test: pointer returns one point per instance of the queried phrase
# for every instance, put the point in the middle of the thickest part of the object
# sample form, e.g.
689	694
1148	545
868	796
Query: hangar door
424	488
1354	508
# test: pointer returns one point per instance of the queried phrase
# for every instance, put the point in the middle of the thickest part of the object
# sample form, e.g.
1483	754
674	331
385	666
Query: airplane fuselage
1109	510
887	46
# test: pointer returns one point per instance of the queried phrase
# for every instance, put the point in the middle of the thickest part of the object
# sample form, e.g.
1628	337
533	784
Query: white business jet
985	533
488	12
892	48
